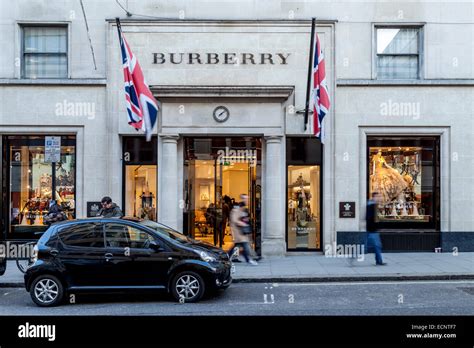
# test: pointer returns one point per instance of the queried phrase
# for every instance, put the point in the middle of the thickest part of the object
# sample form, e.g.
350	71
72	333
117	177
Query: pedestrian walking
241	230
373	237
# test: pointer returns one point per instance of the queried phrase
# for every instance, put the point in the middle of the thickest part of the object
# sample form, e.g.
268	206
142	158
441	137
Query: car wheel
187	286
47	291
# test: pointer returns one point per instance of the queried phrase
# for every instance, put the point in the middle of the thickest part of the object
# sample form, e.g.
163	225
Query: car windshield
166	231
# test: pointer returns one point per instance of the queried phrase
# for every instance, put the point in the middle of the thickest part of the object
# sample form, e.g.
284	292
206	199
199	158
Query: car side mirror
156	246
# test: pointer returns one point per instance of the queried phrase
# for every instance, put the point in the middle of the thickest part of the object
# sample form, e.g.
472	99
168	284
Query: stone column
273	243
169	181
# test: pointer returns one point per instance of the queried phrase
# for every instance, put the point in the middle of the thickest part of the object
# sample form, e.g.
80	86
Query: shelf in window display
305	184
417	218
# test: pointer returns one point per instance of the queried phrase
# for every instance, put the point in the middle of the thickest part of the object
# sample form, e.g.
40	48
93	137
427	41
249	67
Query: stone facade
250	56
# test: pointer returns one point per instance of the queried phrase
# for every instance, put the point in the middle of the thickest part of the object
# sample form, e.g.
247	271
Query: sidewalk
319	268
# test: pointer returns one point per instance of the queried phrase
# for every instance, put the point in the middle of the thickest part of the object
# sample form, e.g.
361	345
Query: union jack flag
142	108
319	93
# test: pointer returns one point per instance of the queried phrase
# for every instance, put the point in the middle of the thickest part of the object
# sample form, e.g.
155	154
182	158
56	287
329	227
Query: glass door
201	200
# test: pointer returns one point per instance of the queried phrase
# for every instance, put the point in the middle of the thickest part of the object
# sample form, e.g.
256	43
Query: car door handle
54	252
170	258
108	256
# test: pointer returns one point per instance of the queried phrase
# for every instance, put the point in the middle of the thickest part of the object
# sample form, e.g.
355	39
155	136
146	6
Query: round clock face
221	114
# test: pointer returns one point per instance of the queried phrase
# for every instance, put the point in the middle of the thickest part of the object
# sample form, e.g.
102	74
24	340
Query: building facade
231	81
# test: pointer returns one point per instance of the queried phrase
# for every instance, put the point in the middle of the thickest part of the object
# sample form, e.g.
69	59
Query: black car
102	254
3	266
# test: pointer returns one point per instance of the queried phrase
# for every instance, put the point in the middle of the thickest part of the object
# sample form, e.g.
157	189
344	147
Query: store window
405	174
398	52
303	207
44	52
303	158
140	175
33	181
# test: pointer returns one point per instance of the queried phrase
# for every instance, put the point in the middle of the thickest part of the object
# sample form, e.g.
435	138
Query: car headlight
34	257
205	256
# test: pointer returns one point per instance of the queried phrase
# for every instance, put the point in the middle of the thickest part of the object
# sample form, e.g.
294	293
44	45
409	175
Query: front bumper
223	275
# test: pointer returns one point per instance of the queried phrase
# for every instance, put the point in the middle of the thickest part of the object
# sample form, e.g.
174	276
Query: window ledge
53	82
426	82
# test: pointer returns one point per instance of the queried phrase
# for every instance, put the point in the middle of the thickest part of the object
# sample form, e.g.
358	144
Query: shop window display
140	177
404	177
34	182
140	188
303	207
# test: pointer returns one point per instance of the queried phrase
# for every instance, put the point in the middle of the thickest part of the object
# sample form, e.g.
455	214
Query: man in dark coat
109	209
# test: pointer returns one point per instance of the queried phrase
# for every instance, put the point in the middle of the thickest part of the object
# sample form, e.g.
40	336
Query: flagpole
310	69
119	26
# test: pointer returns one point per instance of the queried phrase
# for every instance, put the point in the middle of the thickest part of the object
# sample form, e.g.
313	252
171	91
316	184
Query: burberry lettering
221	58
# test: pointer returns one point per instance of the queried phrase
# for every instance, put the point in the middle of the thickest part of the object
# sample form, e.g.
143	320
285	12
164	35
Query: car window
88	235
139	238
166	232
124	236
116	236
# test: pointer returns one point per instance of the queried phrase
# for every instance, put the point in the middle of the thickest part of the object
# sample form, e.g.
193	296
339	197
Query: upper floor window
44	52
398	53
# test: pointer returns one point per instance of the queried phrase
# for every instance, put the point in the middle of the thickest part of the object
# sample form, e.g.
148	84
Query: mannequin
386	180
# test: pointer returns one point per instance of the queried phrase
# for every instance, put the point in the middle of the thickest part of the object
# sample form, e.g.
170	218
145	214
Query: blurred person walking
373	237
241	230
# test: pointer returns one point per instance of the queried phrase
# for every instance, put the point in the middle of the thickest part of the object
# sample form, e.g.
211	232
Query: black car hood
195	244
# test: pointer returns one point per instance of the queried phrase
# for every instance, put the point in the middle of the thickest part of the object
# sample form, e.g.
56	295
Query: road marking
383	283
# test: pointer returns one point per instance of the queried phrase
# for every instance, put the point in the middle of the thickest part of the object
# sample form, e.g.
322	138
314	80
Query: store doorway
217	172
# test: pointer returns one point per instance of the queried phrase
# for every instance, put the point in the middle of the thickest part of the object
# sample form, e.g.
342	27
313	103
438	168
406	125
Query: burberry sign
222	58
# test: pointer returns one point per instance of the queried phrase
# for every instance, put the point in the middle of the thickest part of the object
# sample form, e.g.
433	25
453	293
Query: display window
304	194
304	221
404	173
33	182
140	191
140	177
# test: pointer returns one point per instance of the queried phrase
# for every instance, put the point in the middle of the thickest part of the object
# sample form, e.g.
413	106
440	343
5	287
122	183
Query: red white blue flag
319	93
142	108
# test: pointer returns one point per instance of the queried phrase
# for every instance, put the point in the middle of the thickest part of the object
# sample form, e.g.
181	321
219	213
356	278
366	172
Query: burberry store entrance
217	171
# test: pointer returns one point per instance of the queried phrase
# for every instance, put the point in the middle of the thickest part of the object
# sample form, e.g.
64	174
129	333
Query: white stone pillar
169	181
273	242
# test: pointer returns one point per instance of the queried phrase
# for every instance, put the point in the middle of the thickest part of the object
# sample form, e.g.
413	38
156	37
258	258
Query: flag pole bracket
303	112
